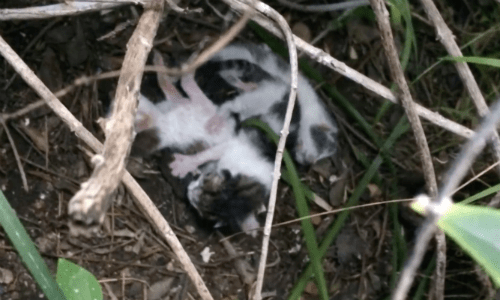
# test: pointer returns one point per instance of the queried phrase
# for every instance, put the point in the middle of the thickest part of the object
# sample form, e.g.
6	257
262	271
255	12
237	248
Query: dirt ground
128	257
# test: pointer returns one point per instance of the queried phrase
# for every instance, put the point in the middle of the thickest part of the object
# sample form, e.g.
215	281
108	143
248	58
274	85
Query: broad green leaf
27	250
476	230
76	282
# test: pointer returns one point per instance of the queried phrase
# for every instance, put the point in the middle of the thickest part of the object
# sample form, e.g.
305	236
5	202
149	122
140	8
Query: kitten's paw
182	165
215	124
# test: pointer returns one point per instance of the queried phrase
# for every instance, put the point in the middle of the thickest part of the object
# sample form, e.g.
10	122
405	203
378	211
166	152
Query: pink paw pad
182	165
215	124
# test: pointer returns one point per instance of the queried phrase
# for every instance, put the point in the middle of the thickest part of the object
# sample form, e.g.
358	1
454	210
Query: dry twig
406	99
325	7
446	37
287	32
89	205
221	42
409	106
56	10
240	264
341	68
76	8
16	154
143	201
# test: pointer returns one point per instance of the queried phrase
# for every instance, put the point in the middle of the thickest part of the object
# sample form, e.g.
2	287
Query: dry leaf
38	138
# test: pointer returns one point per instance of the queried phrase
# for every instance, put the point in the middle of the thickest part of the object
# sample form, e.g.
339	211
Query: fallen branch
223	40
90	204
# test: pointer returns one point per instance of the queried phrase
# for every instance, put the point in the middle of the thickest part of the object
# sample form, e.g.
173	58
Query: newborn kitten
253	81
187	117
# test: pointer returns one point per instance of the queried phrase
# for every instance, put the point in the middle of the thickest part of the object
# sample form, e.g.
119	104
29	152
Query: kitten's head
232	200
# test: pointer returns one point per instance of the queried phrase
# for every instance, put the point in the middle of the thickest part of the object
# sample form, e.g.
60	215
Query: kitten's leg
196	95
217	122
165	82
183	164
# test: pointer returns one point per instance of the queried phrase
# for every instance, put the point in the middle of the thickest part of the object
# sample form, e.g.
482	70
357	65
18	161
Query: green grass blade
302	208
76	282
296	292
491	190
474	229
492	62
27	250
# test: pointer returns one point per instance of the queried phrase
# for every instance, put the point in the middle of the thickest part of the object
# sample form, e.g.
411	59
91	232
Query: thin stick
56	10
271	13
409	106
241	265
406	99
16	155
446	37
325	7
141	198
89	205
223	40
76	8
341	68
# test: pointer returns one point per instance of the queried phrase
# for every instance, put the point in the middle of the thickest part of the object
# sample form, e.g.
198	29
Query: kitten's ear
165	81
227	175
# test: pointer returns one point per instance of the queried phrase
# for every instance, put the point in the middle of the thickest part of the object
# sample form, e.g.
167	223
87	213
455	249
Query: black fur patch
217	88
321	139
145	142
279	109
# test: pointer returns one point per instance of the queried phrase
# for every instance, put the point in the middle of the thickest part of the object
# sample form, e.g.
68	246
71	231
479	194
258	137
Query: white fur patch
258	101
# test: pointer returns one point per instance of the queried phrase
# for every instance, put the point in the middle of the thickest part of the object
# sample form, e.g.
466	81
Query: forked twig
409	106
445	36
